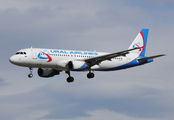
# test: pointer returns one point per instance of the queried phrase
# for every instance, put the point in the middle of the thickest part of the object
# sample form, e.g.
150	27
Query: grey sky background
140	93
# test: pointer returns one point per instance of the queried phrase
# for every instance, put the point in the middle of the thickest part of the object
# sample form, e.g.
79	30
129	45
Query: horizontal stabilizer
151	57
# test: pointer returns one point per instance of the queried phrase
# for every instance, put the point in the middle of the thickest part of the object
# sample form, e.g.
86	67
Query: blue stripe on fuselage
81	68
128	65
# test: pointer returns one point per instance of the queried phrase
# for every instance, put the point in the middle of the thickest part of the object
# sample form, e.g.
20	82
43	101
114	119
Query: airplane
51	62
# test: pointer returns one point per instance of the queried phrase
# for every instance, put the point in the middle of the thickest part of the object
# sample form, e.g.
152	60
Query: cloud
55	103
2	82
105	114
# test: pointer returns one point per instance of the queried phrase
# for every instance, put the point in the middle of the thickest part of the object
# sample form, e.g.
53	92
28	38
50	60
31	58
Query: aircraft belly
111	64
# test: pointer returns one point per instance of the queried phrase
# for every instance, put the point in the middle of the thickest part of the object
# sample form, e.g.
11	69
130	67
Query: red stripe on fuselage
49	58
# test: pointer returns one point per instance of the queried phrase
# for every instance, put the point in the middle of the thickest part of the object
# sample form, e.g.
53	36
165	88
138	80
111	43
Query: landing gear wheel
90	75
30	75
70	79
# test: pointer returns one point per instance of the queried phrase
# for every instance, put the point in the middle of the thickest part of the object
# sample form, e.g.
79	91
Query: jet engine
77	65
47	72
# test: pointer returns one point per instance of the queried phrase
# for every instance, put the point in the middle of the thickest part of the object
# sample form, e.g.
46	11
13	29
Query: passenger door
34	53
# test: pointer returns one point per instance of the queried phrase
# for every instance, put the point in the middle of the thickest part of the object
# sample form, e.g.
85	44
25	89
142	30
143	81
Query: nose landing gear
30	75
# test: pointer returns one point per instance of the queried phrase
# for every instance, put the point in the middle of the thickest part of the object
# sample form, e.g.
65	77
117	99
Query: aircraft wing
97	60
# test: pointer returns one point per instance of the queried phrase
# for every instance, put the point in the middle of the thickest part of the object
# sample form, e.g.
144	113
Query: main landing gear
69	79
90	75
30	75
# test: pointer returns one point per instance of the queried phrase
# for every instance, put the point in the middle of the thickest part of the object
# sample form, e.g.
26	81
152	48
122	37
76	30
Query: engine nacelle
47	72
77	65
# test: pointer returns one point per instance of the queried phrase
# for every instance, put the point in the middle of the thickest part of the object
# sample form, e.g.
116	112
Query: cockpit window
21	53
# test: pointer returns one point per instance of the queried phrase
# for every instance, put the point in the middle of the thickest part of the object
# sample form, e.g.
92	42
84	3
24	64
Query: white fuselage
48	58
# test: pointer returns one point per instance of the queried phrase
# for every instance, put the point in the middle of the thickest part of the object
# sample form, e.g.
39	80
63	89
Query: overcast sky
140	93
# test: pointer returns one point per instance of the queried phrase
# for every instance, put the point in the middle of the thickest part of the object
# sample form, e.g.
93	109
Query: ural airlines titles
73	52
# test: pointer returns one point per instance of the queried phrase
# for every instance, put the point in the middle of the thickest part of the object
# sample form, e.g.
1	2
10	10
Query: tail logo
42	54
138	45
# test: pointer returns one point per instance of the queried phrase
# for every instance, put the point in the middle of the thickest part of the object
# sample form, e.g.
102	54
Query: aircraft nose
12	59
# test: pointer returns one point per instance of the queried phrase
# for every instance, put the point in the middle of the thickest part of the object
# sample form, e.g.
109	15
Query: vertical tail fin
140	41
